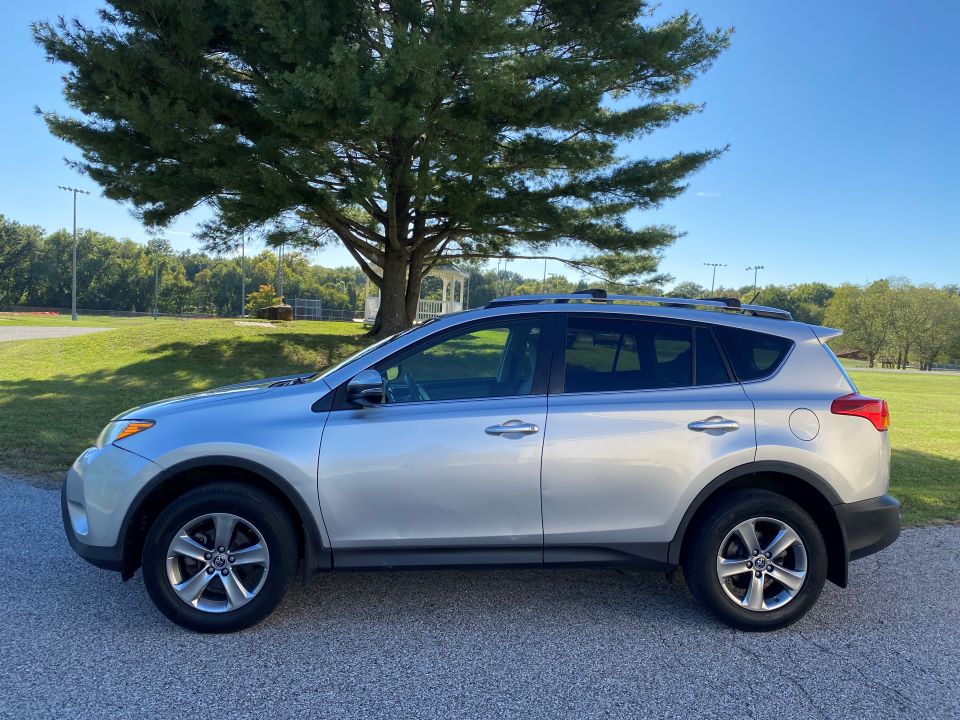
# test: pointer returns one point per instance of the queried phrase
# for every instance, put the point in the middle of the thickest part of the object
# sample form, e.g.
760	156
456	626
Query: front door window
496	360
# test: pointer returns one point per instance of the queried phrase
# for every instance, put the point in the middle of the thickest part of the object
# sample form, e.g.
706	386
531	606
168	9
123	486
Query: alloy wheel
217	562
762	564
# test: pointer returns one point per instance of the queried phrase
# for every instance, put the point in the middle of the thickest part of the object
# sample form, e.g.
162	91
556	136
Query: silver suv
539	431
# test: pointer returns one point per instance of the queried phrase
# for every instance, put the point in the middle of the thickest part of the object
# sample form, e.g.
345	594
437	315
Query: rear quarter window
753	355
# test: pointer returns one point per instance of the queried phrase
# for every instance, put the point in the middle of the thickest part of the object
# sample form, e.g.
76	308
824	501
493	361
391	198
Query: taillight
873	409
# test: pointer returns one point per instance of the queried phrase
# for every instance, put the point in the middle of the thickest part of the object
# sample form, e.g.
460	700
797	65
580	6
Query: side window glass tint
492	361
591	350
474	355
710	367
608	354
754	355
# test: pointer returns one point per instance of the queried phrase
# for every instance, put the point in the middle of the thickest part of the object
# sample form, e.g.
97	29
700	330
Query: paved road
43	333
484	644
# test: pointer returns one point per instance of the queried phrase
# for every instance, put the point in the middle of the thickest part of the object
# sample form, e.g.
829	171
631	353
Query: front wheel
219	558
757	560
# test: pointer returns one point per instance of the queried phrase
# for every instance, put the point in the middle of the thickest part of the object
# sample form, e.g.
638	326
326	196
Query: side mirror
365	389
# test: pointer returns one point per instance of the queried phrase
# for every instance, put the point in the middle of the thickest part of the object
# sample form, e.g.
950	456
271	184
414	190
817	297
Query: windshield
369	349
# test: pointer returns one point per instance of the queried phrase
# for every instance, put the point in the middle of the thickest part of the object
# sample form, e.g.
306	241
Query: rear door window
610	354
754	355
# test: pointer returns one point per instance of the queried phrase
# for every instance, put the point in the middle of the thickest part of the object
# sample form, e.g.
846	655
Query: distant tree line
892	321
897	323
889	321
112	274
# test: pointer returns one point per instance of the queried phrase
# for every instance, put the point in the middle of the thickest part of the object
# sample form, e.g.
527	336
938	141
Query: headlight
120	429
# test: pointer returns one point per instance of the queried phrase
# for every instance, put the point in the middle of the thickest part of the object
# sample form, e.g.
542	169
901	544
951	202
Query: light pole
713	280
73	293
156	287
280	272
755	268
243	275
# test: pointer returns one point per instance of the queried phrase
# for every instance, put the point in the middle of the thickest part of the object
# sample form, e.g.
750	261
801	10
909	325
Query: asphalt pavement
44	333
78	643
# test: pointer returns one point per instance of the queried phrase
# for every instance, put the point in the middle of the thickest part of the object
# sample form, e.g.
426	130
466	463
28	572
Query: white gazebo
454	296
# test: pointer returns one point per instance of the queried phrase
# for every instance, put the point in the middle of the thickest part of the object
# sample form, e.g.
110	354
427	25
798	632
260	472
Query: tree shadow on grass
45	424
927	486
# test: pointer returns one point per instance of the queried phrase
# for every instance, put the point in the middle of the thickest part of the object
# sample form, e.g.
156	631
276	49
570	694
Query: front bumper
869	525
97	494
107	557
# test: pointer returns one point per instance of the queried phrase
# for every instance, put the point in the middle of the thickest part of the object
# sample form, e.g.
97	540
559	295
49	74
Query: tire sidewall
727	516
261	511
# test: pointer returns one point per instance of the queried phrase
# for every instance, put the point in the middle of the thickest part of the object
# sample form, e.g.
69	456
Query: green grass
55	395
853	364
925	437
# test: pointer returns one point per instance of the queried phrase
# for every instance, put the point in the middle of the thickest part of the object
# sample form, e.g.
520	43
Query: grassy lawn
56	394
925	436
852	364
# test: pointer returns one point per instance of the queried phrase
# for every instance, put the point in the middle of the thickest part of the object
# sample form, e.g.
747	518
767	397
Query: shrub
264	296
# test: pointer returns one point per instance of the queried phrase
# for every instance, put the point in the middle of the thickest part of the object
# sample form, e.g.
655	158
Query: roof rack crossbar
601	296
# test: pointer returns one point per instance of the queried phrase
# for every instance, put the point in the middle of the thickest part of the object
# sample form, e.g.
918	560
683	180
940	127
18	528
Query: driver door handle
714	423
513	427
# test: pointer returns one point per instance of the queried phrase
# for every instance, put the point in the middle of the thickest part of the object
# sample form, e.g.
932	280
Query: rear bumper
869	525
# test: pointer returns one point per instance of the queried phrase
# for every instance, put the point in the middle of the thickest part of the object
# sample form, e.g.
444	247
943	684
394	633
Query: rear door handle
511	427
714	423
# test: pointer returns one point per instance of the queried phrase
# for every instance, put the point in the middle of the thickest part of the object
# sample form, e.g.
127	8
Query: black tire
260	511
704	542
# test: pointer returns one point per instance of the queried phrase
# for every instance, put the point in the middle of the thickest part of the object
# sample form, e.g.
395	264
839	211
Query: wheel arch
177	479
801	485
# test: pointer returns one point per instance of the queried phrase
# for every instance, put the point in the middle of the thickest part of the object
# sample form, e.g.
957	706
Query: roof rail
601	296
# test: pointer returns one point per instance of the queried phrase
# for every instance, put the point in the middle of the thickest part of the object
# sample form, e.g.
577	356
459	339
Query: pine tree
410	131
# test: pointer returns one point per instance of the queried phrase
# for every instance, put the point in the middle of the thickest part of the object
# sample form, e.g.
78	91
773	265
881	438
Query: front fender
317	554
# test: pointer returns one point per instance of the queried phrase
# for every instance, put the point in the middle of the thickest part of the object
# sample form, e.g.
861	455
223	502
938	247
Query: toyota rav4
539	431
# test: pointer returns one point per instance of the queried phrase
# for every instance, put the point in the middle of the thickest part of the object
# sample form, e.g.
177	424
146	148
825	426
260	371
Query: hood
244	389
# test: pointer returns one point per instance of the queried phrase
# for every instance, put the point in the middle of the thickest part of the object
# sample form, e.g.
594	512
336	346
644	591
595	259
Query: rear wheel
220	558
757	560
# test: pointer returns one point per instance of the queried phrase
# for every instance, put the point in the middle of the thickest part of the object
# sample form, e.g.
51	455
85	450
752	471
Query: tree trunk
871	358
392	317
414	280
399	294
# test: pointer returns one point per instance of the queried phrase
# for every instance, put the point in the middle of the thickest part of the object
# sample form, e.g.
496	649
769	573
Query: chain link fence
102	313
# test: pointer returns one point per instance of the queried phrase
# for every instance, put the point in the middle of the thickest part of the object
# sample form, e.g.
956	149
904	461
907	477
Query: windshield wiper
299	380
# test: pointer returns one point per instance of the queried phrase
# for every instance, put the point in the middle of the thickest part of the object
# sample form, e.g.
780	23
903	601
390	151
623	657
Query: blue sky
843	120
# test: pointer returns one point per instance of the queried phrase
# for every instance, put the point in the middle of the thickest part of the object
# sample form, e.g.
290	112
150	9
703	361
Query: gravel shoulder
45	333
482	644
